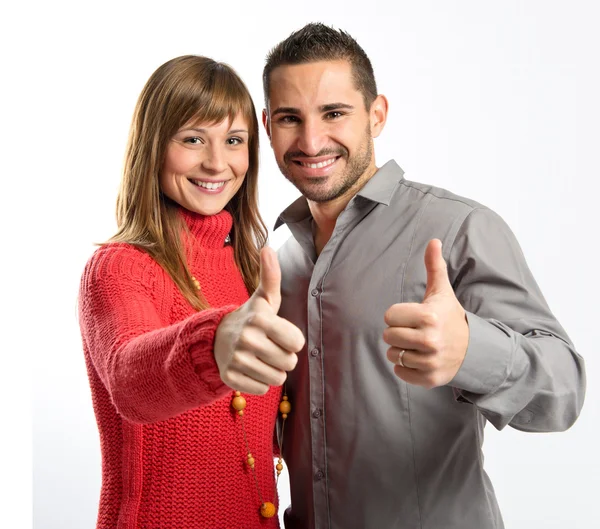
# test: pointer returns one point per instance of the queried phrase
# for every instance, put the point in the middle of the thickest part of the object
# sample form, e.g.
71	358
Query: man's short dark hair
318	42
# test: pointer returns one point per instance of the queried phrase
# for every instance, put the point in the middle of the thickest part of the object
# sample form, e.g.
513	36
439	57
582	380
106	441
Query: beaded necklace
267	508
238	403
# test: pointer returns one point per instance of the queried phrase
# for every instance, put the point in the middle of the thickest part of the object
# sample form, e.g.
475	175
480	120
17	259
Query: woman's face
206	164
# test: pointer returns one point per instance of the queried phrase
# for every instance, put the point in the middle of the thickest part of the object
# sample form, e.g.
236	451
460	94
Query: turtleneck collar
209	231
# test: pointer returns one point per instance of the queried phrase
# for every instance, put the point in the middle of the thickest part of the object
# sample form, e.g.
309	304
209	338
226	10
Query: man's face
321	132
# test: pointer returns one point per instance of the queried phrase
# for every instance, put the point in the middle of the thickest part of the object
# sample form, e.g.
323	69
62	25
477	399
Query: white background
497	101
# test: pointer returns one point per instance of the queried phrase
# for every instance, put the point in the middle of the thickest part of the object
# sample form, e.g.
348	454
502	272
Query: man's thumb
269	287
437	271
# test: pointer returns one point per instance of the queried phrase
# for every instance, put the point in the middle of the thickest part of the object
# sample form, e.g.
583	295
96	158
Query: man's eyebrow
285	110
335	106
323	108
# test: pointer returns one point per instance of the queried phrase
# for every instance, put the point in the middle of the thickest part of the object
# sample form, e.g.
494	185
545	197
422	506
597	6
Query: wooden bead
267	510
239	403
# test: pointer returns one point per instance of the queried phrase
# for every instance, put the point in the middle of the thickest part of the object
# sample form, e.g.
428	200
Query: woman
175	454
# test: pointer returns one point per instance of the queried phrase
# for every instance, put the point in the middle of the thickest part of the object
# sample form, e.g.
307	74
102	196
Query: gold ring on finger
399	359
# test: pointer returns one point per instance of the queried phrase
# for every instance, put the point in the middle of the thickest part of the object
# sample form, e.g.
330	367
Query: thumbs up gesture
253	346
428	340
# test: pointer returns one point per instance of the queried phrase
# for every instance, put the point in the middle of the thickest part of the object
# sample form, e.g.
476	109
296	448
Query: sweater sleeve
151	370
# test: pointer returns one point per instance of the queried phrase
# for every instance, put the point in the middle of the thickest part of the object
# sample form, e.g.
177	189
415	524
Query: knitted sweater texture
173	451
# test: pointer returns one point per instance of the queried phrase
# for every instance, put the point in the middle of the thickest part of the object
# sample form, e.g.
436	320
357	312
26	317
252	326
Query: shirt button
317	413
314	352
319	475
314	292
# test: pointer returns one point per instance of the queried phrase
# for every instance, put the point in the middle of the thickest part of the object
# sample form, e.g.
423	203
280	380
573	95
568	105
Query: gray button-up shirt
365	449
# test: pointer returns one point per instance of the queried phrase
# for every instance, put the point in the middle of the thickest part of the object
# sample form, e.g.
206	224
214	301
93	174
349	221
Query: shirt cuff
488	358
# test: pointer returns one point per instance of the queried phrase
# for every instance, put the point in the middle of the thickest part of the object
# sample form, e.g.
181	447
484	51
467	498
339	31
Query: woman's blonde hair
185	89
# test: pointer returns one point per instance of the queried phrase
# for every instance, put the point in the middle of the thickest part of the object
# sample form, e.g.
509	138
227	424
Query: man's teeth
209	185
318	165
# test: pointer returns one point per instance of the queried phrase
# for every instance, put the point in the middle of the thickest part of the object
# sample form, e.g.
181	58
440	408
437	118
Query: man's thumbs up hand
428	340
438	283
253	346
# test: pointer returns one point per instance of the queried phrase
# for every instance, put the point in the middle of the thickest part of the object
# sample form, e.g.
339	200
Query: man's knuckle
434	380
430	318
388	317
431	342
387	335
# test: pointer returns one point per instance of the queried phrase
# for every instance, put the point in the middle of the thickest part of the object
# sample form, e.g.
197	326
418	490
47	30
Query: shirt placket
317	394
316	367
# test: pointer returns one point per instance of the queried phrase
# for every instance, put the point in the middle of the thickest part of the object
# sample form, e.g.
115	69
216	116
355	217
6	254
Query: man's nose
312	138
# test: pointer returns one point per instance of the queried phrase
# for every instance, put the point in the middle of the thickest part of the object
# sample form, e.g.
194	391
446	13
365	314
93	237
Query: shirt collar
380	188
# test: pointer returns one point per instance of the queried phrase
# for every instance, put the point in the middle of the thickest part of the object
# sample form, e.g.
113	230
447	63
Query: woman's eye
235	141
194	140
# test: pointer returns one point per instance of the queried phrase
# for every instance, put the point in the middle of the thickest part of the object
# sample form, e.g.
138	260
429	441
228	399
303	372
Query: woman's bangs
224	99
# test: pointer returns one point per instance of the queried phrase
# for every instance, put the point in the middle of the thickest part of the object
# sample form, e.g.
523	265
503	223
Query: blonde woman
169	330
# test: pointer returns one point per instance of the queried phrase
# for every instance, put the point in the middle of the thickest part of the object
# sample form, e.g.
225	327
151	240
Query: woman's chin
204	209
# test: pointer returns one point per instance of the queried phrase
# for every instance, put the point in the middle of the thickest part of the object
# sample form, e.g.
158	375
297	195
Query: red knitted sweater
173	453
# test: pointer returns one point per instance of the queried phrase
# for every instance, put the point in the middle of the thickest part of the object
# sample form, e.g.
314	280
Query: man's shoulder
436	197
434	207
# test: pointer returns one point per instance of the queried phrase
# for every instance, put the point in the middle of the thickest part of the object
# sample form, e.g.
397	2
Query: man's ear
378	115
266	122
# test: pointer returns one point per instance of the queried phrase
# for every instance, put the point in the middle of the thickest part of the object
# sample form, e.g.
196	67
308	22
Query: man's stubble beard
355	168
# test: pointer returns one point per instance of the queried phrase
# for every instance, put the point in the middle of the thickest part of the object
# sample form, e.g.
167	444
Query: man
422	320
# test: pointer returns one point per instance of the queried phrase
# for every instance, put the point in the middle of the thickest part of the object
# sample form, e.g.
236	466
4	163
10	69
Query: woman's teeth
208	185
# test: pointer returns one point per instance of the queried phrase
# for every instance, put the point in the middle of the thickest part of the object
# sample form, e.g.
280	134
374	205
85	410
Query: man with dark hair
317	42
421	317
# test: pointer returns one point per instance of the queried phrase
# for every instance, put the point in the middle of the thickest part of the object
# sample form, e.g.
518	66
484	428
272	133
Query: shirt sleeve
152	370
520	368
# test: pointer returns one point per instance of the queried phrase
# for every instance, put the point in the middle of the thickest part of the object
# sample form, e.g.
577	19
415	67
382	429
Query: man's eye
289	119
334	114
